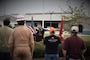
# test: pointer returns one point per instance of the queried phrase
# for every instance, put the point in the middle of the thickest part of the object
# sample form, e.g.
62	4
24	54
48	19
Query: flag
32	26
32	30
32	23
61	30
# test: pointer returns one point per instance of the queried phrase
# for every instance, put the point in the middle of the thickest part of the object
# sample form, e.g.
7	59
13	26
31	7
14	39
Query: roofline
44	13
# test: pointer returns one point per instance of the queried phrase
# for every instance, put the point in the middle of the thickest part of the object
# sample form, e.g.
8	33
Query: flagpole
43	15
32	22
51	12
50	19
25	24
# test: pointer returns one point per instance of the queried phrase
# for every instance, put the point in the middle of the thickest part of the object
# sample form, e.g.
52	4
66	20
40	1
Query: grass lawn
86	38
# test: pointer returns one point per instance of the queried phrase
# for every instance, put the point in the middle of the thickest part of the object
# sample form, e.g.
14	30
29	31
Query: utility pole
51	18
4	7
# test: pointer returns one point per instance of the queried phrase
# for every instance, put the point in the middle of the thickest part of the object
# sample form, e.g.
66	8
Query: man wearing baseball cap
51	43
21	41
73	47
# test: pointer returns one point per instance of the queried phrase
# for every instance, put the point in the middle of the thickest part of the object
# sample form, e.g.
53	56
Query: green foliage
39	49
60	50
77	13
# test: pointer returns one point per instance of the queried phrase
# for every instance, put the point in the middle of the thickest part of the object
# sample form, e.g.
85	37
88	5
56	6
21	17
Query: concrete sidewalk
61	58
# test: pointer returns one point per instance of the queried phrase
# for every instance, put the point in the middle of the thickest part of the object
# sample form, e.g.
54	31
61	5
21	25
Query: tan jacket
5	32
21	37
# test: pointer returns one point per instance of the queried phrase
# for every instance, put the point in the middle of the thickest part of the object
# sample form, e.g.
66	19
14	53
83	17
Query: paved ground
61	58
43	58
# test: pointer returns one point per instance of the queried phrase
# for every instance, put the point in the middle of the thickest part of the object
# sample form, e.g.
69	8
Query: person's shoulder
10	28
47	36
57	37
68	38
79	38
15	28
26	27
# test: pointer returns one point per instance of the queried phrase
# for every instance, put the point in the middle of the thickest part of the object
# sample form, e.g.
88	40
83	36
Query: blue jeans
51	57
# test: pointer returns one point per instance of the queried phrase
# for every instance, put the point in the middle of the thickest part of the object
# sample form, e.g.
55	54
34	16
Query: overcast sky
36	6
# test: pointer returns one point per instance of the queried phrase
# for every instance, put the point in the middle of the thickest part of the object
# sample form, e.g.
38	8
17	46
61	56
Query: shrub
39	50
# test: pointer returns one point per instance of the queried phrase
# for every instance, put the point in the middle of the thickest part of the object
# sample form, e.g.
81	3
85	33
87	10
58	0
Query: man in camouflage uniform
21	41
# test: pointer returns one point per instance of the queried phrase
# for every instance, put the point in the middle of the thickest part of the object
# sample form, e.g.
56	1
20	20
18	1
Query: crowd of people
18	43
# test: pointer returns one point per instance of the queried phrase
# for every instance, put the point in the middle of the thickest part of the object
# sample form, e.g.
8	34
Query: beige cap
74	29
20	18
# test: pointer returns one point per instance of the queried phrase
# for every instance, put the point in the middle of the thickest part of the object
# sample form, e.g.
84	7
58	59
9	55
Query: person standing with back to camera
5	32
21	41
73	47
51	45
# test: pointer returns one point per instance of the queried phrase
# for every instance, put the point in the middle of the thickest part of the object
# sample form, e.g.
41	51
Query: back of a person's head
20	22
20	19
52	30
74	29
6	22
